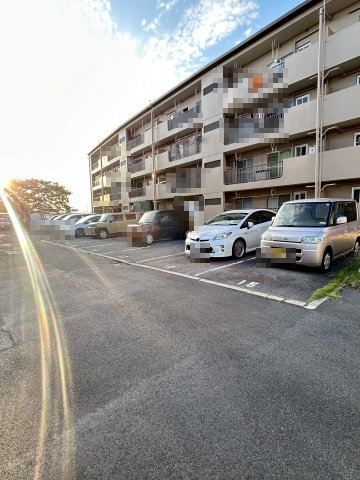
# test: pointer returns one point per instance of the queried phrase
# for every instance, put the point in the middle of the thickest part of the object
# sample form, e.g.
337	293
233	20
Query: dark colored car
160	224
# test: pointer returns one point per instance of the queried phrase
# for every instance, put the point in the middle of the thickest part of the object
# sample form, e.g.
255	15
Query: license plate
278	253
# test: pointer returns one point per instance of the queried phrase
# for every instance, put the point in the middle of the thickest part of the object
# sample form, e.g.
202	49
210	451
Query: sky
74	70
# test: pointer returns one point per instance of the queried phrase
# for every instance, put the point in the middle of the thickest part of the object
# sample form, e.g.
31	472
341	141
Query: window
303	46
213	201
356	193
300	195
275	202
265	216
243	203
357	138
302	99
165	217
301	150
350	211
357	79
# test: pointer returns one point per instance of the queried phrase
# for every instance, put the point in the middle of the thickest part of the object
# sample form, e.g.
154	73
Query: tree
37	196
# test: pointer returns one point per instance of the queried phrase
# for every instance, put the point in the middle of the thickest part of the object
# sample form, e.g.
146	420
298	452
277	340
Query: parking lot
281	283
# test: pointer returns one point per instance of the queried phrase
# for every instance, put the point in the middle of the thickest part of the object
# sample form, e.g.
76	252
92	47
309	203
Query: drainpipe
91	185
101	180
319	104
153	158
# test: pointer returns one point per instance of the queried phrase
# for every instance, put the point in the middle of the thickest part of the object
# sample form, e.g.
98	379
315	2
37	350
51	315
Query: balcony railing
115	196
135	142
185	148
137	192
254	174
137	167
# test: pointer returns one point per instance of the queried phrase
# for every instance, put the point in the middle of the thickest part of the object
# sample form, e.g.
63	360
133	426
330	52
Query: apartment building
274	119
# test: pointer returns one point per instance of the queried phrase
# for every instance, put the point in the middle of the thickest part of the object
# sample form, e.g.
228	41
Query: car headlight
266	236
222	236
312	239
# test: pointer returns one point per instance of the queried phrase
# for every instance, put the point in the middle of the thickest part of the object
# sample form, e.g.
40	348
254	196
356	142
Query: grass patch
349	276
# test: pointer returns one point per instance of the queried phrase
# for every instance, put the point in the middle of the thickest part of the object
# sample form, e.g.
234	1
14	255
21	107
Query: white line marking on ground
299	303
157	258
223	266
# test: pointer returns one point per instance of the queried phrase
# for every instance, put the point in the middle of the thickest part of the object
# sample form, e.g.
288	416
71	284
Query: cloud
70	76
143	22
203	25
248	32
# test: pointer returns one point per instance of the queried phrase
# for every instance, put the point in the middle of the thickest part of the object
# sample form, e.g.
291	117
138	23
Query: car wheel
103	234
149	239
357	248
326	261
79	233
238	248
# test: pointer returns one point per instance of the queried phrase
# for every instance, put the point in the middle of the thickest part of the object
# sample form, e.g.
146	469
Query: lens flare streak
55	365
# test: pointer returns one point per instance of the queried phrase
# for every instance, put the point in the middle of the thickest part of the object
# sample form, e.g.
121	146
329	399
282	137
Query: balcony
342	107
245	132
182	123
137	192
95	166
185	148
110	200
143	167
289	171
253	174
162	160
140	142
341	164
137	167
343	46
191	117
137	141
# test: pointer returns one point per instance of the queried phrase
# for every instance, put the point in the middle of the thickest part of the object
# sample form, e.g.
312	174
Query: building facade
272	120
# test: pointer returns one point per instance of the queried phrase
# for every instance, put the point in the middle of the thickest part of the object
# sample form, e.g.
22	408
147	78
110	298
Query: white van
312	232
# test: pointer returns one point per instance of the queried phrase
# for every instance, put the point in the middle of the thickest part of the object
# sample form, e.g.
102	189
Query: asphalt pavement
169	378
282	282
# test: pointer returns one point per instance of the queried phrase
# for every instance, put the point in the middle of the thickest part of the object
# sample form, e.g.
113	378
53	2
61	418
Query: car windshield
227	219
148	217
306	214
104	217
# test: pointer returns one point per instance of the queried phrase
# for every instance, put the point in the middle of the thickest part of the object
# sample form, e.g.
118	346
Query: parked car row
307	232
303	232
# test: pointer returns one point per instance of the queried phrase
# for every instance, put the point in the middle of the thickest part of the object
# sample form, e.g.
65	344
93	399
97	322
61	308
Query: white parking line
163	256
299	303
223	266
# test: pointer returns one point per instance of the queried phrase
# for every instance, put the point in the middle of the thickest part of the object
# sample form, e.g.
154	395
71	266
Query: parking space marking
158	258
248	284
310	306
224	266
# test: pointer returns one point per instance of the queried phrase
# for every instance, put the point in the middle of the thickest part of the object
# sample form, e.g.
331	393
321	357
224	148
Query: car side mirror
111	221
341	220
250	224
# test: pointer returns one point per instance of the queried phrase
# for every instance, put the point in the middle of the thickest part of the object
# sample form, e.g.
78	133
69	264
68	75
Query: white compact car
231	233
